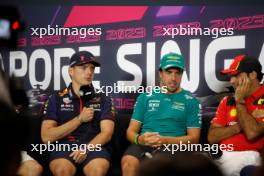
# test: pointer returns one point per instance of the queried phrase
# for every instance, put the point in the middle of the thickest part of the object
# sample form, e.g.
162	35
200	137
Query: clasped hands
151	139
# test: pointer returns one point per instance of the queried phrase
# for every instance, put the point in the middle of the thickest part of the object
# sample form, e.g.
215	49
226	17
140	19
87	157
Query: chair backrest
206	121
119	141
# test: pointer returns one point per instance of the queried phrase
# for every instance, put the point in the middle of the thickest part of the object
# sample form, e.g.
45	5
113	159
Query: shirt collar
72	94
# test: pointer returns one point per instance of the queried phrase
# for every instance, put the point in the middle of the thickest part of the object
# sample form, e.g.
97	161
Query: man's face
236	80
171	78
82	74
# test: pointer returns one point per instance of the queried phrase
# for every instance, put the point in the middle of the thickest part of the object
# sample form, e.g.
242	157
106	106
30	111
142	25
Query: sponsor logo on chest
96	104
96	107
66	105
178	106
232	116
153	105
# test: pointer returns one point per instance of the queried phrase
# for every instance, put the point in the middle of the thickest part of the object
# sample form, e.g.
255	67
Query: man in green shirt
159	119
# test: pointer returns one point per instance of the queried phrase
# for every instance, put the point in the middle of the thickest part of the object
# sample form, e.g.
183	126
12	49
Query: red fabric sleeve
221	113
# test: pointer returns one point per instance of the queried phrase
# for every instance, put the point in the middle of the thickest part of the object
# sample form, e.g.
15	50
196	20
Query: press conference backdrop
130	40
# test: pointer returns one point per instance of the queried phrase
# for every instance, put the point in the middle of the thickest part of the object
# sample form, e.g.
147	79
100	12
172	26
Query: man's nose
88	71
173	77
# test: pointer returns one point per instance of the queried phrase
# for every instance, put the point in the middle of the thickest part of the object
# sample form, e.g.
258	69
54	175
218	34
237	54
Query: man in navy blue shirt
79	121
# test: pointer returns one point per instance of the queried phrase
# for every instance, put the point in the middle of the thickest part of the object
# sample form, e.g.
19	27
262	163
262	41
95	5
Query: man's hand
78	156
151	139
237	128
86	114
243	88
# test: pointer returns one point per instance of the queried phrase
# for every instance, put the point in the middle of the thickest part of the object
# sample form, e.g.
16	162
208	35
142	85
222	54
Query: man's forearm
250	126
59	132
107	130
101	138
131	135
217	134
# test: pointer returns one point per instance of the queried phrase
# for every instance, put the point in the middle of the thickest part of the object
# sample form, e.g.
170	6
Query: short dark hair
259	76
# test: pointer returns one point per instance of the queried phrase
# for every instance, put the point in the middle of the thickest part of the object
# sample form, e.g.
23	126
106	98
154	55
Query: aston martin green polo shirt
168	114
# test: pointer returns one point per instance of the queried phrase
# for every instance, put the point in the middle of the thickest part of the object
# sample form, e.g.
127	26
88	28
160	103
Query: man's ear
70	71
160	73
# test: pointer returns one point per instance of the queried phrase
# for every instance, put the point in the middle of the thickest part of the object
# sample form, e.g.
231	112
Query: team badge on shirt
188	97
233	112
95	103
232	116
66	100
259	101
153	105
66	106
178	105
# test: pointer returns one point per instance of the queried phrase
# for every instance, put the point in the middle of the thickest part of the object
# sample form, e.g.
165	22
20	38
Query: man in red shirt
239	119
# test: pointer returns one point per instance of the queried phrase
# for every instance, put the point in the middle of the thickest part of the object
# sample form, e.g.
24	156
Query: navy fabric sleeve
50	109
107	110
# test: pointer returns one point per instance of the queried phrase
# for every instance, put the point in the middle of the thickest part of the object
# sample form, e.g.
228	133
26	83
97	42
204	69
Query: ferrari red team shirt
226	115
